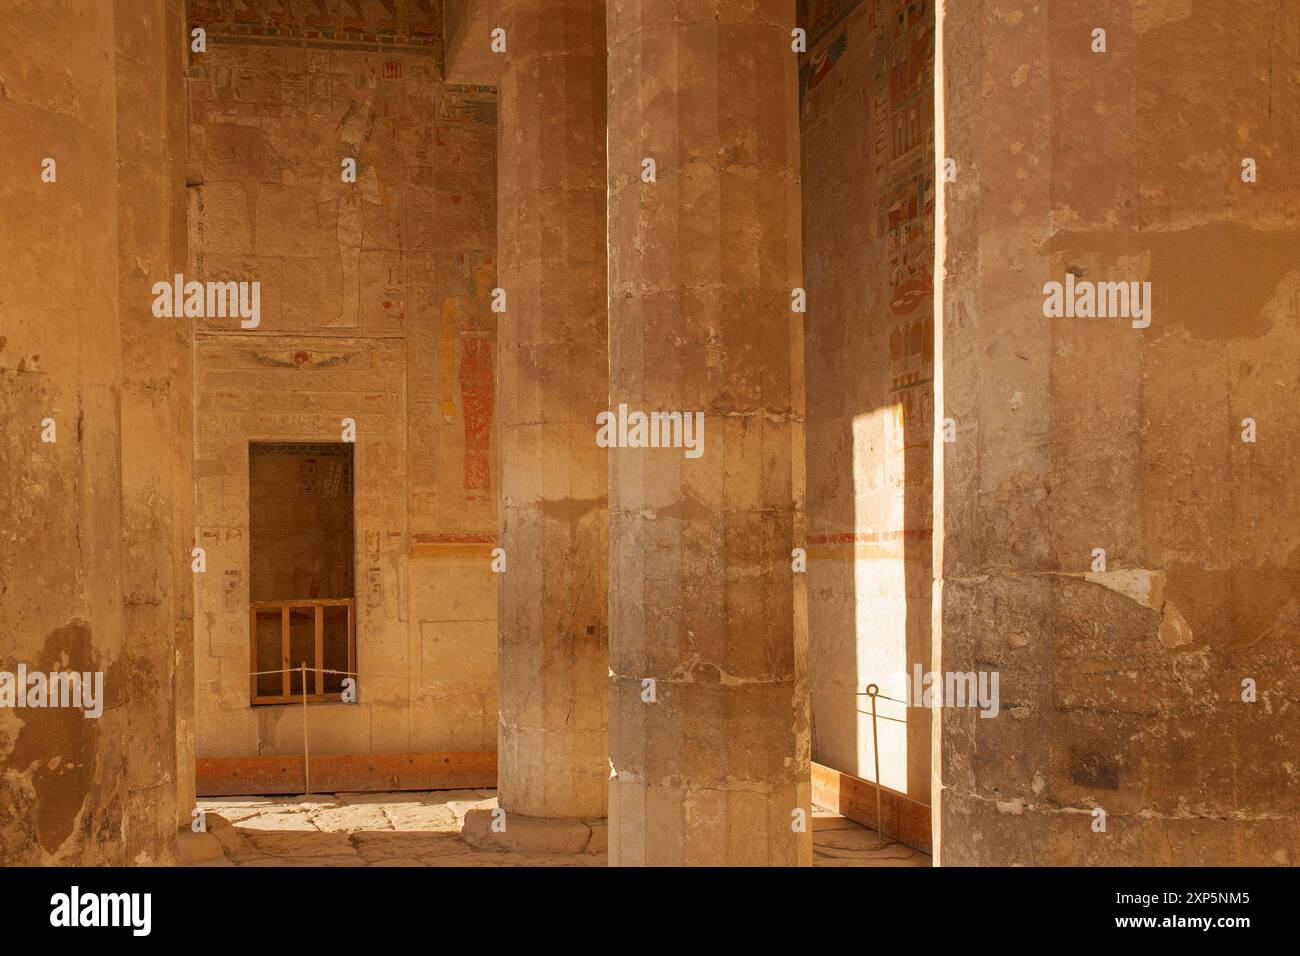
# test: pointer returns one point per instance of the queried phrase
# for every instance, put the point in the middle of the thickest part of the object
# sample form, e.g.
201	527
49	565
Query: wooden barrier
906	820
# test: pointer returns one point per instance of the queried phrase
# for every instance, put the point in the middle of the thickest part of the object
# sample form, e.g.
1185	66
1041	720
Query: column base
197	847
563	836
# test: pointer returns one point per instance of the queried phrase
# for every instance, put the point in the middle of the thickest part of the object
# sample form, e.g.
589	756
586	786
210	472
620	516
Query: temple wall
375	307
867	133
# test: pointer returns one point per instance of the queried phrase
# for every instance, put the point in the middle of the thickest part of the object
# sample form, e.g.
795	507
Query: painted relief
819	64
911	364
309	477
905	217
900	35
905	156
457	106
468	331
904	166
356	24
894	41
347	202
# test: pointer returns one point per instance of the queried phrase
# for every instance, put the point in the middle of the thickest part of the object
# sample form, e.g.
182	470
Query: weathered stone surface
702	599
1078	512
552	373
599	842
198	848
1121	689
523	834
468	31
338	830
92	566
157	424
376	307
867	176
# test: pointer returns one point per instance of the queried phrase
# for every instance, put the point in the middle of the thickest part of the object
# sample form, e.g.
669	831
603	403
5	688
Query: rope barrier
326	670
856	693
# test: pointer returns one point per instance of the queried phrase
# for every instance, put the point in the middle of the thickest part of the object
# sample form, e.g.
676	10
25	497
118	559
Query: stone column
94	422
1109	542
551	382
63	776
708	699
156	415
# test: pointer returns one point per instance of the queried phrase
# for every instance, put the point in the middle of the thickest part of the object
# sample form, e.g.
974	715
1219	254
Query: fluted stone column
552	381
156	402
708	700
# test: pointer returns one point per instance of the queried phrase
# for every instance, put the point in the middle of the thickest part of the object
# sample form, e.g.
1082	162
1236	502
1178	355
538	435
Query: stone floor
422	829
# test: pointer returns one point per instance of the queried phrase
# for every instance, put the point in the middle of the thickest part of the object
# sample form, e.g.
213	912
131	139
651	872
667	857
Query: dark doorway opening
302	614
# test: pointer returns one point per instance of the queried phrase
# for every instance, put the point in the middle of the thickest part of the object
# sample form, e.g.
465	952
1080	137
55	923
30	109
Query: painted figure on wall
469	320
354	143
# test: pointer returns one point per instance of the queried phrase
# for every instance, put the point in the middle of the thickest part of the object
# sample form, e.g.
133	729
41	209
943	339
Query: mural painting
468	331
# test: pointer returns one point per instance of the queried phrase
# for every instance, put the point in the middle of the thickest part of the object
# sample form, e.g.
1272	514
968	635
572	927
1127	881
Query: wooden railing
287	666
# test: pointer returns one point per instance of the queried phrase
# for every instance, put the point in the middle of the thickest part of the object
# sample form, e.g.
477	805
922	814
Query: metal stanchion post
872	691
306	767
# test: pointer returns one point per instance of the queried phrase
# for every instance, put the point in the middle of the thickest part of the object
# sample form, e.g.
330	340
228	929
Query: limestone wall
1122	689
375	307
868	188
